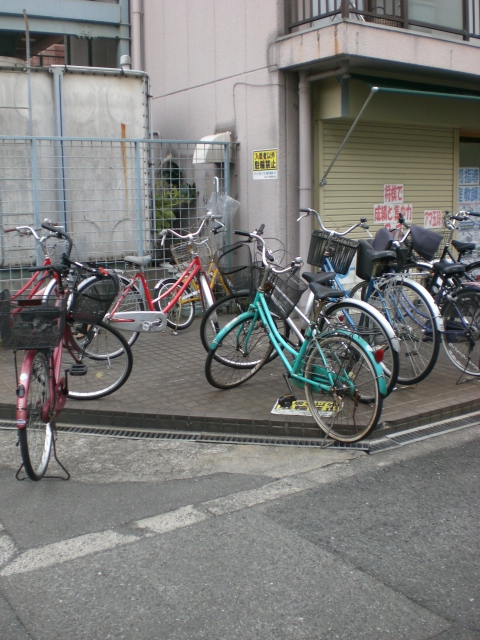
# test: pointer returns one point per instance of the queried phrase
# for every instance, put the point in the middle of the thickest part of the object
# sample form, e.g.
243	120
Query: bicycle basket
32	323
234	262
285	291
341	251
184	252
94	298
447	235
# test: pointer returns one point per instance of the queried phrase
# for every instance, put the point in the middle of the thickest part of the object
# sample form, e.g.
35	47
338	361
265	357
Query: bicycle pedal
78	370
287	400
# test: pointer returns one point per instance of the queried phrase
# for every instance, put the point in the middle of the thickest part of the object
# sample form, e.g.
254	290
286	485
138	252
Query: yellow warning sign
265	164
300	408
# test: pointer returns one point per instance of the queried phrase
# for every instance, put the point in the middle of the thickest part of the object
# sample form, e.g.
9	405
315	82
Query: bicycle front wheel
241	353
461	339
98	359
227	309
36	437
344	399
182	313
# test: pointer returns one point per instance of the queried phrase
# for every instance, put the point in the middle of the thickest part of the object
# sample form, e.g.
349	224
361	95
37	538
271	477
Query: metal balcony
457	18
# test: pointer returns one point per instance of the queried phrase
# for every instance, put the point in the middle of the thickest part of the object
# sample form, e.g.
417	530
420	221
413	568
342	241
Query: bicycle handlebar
267	256
190	236
307	212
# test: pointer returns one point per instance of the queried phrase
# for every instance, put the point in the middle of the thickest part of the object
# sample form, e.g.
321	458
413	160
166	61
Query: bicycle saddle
140	261
448	268
321	293
461	247
320	277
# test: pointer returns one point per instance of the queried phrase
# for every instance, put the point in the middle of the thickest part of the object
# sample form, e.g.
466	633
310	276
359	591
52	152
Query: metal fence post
139	197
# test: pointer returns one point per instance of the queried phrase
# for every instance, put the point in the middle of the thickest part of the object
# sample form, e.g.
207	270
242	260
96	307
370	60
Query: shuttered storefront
419	158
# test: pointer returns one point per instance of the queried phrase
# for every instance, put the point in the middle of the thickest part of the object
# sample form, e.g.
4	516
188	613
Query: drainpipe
305	161
136	34
123	48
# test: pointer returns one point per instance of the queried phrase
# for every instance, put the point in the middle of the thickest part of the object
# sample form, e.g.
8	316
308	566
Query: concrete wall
210	73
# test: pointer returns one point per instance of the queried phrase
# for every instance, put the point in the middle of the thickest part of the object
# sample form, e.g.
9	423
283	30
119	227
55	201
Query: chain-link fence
112	195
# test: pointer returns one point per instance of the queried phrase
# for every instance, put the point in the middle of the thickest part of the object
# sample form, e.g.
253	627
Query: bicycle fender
386	326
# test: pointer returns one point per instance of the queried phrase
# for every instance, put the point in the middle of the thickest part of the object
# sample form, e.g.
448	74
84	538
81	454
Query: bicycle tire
411	311
461	345
473	271
238	364
36	437
350	408
349	315
104	352
223	311
182	314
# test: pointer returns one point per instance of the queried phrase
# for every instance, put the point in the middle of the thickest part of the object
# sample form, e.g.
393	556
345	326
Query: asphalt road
178	540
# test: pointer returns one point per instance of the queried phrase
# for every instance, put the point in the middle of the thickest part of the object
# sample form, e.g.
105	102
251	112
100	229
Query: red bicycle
137	310
69	351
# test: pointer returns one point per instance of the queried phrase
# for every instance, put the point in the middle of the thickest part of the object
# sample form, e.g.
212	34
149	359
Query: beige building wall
210	74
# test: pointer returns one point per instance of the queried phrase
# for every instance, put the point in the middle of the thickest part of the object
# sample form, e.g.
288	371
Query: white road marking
66	550
246	499
7	549
164	522
81	546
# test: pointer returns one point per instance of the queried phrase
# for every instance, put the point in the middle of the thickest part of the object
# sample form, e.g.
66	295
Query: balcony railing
460	18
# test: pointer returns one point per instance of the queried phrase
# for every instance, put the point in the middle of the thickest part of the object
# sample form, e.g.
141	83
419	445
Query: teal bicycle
341	375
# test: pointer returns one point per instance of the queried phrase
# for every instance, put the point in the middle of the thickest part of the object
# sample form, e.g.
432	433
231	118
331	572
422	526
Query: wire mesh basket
341	251
284	293
234	262
184	252
94	298
32	323
447	235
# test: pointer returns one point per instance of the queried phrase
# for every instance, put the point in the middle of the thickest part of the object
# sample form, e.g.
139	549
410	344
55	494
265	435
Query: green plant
171	194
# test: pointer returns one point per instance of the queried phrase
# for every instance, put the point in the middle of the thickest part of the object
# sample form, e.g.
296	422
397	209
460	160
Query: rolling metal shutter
420	158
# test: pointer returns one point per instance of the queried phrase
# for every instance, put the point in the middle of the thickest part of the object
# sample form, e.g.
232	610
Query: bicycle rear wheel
412	313
461	340
348	404
350	315
36	437
242	352
98	358
182	314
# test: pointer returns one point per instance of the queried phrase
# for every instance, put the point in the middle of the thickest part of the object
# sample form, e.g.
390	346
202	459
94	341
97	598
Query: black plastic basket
234	263
94	299
341	251
285	291
32	323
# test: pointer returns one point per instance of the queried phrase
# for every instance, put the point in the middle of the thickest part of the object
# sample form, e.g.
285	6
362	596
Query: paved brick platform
168	390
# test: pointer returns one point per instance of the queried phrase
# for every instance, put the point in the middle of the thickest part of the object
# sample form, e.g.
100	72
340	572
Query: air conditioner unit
209	152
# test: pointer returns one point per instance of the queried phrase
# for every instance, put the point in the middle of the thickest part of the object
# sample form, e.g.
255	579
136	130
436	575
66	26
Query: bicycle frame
182	282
